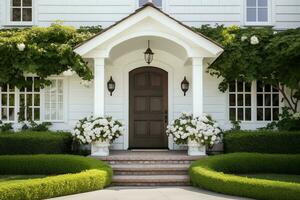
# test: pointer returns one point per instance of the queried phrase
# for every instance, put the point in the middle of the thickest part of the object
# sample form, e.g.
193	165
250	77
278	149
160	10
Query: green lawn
275	177
6	179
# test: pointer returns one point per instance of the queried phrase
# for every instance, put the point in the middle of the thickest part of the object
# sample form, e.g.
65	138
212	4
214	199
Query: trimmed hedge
28	142
216	173
69	175
283	142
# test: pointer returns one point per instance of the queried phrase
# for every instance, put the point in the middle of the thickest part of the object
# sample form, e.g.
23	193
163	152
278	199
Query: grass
275	177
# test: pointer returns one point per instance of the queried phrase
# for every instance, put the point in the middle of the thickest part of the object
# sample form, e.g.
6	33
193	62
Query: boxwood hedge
262	142
29	142
216	173
68	174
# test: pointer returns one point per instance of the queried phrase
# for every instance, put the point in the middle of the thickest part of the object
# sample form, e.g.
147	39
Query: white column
99	87
197	74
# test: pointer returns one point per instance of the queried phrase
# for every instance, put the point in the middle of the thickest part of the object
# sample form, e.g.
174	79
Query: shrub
87	174
262	142
216	174
29	142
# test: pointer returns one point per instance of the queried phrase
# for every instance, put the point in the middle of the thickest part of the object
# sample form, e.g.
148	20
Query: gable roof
149	4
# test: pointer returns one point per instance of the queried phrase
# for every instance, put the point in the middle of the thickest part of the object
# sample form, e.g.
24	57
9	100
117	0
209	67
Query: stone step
150	180
150	169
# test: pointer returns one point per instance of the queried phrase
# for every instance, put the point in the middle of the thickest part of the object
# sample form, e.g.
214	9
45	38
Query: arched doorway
148	108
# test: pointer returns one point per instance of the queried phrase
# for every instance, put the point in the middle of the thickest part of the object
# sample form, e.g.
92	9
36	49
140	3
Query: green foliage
236	125
48	51
77	174
29	142
262	141
216	174
275	59
4	127
37	127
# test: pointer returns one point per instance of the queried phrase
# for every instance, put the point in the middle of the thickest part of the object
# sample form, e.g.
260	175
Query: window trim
253	107
19	23
270	21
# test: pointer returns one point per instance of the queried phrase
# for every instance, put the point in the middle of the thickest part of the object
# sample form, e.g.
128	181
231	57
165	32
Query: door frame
137	64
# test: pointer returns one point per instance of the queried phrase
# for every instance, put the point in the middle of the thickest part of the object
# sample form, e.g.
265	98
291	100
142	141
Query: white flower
254	40
86	83
296	115
243	38
21	46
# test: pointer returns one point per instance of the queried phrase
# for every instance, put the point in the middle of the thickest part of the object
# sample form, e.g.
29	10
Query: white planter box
100	148
196	149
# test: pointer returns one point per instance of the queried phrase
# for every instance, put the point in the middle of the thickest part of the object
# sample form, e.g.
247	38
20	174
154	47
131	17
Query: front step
150	180
167	168
150	169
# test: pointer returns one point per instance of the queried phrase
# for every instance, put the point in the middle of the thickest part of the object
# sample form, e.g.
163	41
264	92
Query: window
257	11
267	102
54	101
7	103
20	10
240	101
157	3
30	108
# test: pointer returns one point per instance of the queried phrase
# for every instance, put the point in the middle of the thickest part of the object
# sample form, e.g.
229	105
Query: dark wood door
148	108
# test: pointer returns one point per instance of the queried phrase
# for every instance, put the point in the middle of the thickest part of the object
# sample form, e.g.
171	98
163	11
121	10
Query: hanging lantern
185	86
111	86
148	54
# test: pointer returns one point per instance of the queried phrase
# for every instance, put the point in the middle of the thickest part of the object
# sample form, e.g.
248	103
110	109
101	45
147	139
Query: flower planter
196	149
100	148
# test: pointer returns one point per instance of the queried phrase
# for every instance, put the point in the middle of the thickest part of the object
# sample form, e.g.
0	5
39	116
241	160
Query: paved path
150	193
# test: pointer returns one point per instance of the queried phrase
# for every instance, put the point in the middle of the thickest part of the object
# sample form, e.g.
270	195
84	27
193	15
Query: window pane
37	114
22	113
251	3
36	85
232	114
29	114
232	87
60	98
262	3
16	14
27	14
240	100
274	89
262	15
60	111
260	114
27	2
247	87
36	99
268	114
267	100
259	86
275	114
11	89
4	88
240	114
240	86
16	2
248	100
11	114
232	100
251	14
267	88
60	86
4	99
259	100
30	83
275	100
22	99
4	113
142	2
11	100
157	3
248	114
29	99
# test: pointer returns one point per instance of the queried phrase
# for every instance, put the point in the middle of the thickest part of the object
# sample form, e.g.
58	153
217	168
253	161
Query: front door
148	108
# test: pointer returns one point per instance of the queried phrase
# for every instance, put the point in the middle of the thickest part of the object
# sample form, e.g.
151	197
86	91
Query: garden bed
217	173
65	175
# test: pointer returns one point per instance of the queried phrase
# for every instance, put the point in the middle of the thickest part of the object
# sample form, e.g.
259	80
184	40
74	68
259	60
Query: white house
147	96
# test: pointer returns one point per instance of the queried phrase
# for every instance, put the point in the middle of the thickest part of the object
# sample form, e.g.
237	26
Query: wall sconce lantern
185	86
111	86
148	54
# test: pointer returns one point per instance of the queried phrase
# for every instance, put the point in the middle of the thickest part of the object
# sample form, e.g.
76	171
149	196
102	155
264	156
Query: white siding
287	14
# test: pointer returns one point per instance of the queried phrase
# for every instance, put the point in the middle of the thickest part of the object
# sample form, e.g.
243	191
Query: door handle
166	116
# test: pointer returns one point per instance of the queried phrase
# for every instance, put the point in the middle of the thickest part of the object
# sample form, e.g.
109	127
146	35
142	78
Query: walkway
150	193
